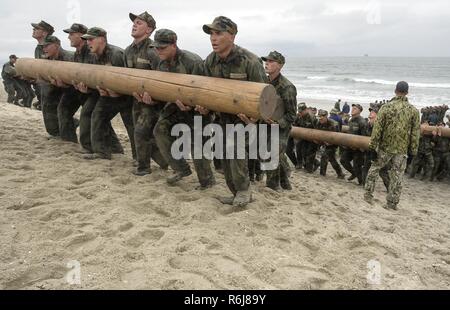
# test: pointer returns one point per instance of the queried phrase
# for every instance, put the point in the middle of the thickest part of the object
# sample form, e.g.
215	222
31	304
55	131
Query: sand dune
137	233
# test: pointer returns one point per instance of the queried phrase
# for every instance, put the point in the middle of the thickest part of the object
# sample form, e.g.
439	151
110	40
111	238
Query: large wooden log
256	100
333	138
425	130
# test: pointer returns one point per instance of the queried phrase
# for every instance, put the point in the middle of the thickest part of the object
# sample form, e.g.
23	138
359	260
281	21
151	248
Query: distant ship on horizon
366	55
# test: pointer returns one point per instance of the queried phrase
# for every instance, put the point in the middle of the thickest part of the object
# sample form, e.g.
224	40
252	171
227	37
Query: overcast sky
295	28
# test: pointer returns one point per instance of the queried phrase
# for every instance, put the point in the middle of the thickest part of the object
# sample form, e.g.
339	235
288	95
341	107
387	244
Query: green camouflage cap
76	28
13	57
323	113
358	106
164	37
146	17
94	32
221	24
50	40
275	56
44	26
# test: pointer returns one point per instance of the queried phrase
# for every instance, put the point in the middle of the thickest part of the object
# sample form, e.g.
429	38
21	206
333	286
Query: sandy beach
137	233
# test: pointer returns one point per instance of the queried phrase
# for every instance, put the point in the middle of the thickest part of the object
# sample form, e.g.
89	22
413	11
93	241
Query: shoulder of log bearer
191	61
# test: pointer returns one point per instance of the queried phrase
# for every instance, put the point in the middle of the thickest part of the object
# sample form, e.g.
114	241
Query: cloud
298	28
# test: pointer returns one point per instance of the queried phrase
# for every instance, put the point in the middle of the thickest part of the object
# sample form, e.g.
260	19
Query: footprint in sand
150	235
36	274
26	205
80	240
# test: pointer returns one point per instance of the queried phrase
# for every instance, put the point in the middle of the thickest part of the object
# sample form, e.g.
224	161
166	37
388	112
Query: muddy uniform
106	108
288	94
329	154
187	63
244	66
71	101
358	126
50	98
143	56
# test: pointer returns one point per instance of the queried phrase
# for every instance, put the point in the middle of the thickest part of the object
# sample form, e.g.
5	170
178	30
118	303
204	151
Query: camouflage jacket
442	144
185	62
112	56
288	93
397	129
84	55
330	125
306	121
239	65
8	71
64	55
426	144
358	126
141	56
39	52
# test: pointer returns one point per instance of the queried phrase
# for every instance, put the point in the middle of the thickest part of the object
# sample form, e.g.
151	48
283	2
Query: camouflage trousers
71	101
329	156
145	118
396	168
104	112
424	160
279	176
10	90
356	169
290	151
50	98
369	158
170	116
85	125
236	171
25	92
441	164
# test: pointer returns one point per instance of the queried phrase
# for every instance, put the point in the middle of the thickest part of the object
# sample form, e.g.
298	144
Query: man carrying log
230	61
52	92
358	126
288	93
72	99
176	60
329	154
141	55
395	135
41	30
109	103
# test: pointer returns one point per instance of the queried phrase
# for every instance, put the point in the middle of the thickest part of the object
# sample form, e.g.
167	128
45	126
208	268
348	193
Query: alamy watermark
73	277
374	273
228	143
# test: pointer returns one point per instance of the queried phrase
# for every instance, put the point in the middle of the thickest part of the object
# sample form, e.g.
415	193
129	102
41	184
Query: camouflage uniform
424	157
369	158
72	99
241	65
288	94
187	63
306	150
51	95
396	133
8	74
358	126
106	108
329	154
39	54
143	56
441	154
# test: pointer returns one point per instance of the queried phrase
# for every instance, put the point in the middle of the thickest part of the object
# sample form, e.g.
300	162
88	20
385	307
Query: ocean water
366	79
